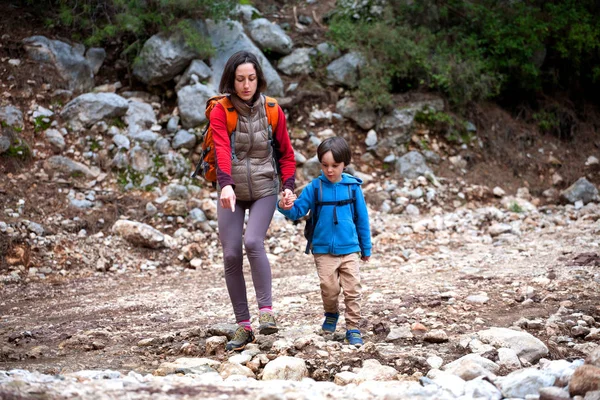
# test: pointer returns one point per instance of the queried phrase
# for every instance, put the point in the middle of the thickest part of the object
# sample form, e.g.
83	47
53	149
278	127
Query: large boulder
191	100
527	346
68	60
269	36
140	234
298	63
164	56
228	37
582	190
87	109
344	70
365	118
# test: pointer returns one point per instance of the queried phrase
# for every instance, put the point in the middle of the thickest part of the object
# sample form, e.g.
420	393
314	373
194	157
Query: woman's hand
228	198
287	199
365	258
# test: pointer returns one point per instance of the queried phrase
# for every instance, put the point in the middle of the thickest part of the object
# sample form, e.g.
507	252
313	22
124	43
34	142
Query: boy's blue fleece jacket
343	237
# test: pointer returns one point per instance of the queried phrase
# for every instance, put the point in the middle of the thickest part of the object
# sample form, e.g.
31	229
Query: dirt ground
95	322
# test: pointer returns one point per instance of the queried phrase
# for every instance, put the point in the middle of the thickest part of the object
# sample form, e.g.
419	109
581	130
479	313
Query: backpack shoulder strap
232	116
272	111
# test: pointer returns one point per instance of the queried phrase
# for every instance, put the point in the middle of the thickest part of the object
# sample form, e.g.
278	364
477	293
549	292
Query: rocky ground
434	284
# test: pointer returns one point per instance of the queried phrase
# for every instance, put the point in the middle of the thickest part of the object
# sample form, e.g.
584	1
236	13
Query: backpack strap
232	120
272	112
318	195
232	115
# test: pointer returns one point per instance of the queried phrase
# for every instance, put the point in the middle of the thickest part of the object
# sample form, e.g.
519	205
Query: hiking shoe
354	337
241	338
267	325
330	322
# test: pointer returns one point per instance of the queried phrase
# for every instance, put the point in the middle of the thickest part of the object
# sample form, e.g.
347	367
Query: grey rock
11	116
269	36
141	234
4	144
66	166
298	62
163	56
55	139
95	57
121	141
582	190
196	72
327	51
139	159
184	139
173	124
87	109
524	344
524	382
192	100
412	165
162	146
344	70
146	136
364	117
139	117
68	60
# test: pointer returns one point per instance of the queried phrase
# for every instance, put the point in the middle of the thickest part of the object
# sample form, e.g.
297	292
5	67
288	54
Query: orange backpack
206	167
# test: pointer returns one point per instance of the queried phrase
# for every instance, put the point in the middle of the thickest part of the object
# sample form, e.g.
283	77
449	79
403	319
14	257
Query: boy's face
331	168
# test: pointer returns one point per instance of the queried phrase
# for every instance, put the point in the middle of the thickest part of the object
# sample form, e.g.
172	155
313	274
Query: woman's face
246	81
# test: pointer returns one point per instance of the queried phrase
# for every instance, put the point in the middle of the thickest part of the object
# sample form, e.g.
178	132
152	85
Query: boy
341	230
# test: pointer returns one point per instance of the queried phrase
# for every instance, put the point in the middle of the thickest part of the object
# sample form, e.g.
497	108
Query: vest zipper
248	165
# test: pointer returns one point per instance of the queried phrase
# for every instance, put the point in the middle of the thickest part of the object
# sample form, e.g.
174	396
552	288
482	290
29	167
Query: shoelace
330	320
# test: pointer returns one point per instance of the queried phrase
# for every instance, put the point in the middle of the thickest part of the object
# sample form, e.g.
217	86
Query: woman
248	179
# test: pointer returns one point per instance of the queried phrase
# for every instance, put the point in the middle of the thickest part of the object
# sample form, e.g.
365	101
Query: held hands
287	199
228	198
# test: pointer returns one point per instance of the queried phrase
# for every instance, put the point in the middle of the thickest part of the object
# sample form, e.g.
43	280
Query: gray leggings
231	225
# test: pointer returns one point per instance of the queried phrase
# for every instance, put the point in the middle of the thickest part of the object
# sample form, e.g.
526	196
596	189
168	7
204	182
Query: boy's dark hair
339	149
227	84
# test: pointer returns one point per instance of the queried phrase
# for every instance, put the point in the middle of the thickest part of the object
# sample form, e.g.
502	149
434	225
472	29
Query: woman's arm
218	123
287	161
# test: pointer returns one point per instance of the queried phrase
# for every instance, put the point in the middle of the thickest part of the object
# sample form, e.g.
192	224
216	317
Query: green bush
470	50
130	22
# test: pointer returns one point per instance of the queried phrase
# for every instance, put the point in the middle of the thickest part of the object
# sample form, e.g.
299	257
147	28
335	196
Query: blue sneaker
354	337
330	322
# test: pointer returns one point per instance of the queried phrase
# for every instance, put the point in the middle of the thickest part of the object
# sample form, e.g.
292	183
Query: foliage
470	50
18	149
515	207
547	121
131	22
41	123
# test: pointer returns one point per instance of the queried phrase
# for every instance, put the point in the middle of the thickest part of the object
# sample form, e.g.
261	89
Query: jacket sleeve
287	161
362	224
302	204
218	123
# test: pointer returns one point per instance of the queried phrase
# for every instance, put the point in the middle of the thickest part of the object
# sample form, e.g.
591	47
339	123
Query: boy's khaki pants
336	273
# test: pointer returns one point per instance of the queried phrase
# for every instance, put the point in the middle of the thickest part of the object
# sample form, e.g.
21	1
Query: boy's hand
365	258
